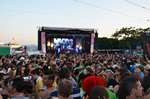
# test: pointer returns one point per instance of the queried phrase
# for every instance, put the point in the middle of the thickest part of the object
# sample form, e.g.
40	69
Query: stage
66	40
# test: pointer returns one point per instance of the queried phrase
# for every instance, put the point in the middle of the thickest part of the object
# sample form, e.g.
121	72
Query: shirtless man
48	79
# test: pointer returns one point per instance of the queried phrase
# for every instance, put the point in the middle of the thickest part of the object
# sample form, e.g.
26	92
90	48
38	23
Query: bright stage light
80	47
48	43
52	44
77	46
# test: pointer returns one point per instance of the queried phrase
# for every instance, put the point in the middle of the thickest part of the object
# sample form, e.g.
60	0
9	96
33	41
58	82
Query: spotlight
48	43
80	48
77	46
52	44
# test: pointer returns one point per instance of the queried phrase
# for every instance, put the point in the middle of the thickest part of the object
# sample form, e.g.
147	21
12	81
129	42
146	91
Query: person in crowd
116	88
130	88
86	72
90	82
1	78
104	75
18	89
6	91
142	71
99	92
1	63
37	79
19	71
29	91
146	69
111	78
21	63
76	73
146	97
70	67
27	75
63	91
119	73
32	64
9	70
76	93
146	86
48	80
1	97
132	67
137	73
54	67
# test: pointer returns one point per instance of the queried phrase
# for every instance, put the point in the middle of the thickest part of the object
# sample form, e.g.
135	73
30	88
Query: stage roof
66	29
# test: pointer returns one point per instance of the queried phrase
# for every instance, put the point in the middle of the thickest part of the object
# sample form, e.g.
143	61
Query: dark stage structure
66	40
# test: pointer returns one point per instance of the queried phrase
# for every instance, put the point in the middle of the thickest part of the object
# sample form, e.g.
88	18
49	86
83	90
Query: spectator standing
76	93
130	88
37	79
18	88
63	91
48	80
99	92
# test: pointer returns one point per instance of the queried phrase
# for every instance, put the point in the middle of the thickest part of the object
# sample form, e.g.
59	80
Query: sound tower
39	40
86	44
96	41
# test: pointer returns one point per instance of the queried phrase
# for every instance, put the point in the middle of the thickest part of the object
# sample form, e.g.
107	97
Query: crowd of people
75	76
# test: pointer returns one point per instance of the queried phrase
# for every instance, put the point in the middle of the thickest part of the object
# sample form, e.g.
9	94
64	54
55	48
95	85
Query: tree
130	36
107	43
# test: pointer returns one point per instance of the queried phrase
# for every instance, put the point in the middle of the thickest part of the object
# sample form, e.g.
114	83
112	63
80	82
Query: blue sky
20	19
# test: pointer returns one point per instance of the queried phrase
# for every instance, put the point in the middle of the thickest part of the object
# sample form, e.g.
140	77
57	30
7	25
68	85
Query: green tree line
125	38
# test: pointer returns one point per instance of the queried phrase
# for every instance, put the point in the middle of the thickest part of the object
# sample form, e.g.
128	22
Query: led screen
63	44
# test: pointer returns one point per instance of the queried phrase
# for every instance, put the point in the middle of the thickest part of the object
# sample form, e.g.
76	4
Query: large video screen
63	44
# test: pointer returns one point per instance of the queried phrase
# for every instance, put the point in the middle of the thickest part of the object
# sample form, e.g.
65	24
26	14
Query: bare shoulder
146	97
41	94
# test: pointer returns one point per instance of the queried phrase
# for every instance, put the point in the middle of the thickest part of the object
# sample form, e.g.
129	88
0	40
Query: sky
20	19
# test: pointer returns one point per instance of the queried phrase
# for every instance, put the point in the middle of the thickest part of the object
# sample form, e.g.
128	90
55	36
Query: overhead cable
113	11
137	5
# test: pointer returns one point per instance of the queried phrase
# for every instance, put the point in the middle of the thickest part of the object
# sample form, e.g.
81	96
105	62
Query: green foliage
125	38
108	43
130	32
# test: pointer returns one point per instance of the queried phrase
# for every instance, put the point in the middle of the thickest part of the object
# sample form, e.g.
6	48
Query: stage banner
146	44
92	43
43	41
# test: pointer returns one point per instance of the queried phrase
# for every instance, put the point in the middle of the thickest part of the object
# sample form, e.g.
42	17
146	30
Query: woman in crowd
19	71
